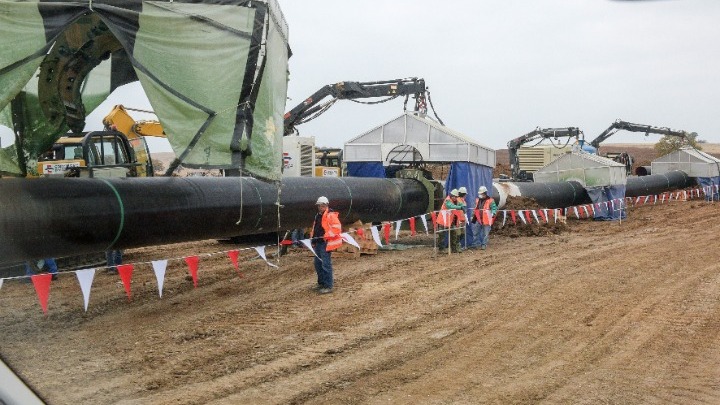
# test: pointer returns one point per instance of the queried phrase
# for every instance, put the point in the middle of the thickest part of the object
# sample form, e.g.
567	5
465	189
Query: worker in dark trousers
326	236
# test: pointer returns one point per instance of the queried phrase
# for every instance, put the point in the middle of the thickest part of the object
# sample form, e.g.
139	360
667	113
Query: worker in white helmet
326	236
484	213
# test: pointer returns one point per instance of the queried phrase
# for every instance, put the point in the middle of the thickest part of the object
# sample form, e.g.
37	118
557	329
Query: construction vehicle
618	125
118	151
540	157
301	158
311	108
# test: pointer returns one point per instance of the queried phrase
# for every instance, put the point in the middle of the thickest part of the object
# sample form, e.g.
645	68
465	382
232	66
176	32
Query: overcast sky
498	69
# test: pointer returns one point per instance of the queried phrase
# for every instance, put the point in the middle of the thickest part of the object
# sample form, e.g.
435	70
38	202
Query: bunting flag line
192	263
593	208
587	214
541	214
547	220
41	282
159	267
375	235
424	221
125	271
261	251
349	239
308	244
85	278
535	215
234	256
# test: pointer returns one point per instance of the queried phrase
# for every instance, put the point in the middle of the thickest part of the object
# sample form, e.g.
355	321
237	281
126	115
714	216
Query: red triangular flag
433	217
386	232
542	215
360	232
527	215
233	255
192	262
41	282
125	271
512	215
412	226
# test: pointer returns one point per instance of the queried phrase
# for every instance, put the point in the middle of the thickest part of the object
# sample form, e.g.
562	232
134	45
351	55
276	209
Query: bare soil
621	313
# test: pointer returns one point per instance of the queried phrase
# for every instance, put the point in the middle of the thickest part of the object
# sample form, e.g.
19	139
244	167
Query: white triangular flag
444	216
397	229
547	220
159	267
85	278
308	245
576	212
612	204
349	239
555	214
504	217
535	215
424	221
521	214
1	282
261	252
375	235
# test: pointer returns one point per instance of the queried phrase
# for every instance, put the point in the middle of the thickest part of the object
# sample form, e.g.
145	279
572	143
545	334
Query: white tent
692	161
414	138
587	169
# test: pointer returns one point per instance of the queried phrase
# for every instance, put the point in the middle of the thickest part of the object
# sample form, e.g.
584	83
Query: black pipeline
60	217
569	193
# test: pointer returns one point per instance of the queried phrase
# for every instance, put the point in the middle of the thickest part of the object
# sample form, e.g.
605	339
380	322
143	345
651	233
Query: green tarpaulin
215	73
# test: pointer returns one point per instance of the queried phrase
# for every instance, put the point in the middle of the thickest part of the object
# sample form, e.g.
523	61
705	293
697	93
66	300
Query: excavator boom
619	125
311	107
537	133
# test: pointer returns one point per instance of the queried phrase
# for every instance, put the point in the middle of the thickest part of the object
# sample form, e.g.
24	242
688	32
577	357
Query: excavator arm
310	108
119	119
537	134
619	125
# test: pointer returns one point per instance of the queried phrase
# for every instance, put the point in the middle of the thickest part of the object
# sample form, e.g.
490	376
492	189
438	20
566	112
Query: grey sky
498	69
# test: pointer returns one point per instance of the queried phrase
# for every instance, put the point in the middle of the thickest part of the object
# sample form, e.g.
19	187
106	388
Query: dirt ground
622	313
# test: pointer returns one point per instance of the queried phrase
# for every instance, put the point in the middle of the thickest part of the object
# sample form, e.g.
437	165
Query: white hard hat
322	200
454	192
462	190
482	190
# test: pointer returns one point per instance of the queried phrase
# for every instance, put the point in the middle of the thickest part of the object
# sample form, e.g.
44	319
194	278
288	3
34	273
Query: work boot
482	247
325	290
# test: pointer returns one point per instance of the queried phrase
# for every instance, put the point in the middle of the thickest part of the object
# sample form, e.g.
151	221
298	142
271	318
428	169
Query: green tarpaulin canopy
215	73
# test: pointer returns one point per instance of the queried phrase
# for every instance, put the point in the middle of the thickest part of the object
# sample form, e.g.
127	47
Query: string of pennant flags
85	277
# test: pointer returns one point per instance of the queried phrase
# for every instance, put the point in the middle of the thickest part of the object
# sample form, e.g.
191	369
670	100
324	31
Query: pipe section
551	195
657	183
55	217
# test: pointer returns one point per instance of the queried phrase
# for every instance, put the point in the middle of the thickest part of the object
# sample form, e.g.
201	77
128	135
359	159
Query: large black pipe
59	217
569	193
657	183
551	195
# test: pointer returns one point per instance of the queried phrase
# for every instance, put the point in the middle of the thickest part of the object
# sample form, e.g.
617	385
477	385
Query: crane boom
311	107
629	126
537	133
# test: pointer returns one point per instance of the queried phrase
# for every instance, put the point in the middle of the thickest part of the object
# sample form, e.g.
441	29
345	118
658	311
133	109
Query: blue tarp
601	195
471	176
365	169
705	182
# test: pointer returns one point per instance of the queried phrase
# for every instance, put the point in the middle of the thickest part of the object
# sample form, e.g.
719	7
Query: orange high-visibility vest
485	217
460	214
333	230
445	217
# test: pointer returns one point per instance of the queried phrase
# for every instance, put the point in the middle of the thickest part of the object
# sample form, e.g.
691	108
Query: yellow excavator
118	151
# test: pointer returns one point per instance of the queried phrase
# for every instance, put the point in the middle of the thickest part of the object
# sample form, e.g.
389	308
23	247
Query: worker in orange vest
451	212
326	236
462	220
484	212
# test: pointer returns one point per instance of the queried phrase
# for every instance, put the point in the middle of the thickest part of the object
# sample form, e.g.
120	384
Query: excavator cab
93	154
